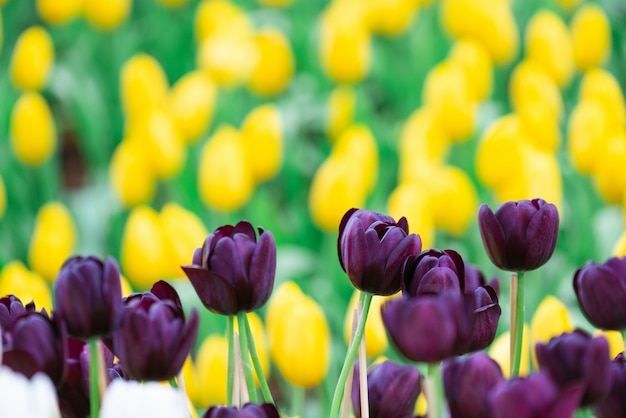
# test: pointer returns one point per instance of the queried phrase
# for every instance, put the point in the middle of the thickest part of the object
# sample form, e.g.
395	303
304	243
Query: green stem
265	388
297	401
173	383
366	299
245	357
518	326
94	378
230	376
434	392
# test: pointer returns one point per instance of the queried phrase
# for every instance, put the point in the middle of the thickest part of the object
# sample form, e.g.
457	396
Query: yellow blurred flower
130	173
126	287
205	379
299	340
357	143
225	179
568	5
144	249
215	16
601	85
32	130
32	59
610	174
529	84
391	17
53	240
106	14
475	60
262	138
261	344
412	201
500	352
184	232
375	333
27	285
274	67
591	36
143	85
616	341
192	104
540	125
57	12
586	135
3	198
340	110
228	57
345	43
550	320
286	295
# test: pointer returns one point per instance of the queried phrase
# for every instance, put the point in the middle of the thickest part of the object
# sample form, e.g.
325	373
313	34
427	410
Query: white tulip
135	400
23	398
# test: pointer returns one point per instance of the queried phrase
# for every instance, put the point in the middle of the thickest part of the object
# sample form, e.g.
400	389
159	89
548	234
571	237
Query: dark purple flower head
392	390
88	296
486	315
430	328
154	339
249	410
614	405
11	307
433	272
372	249
468	382
601	292
576	357
536	396
233	272
34	343
519	236
474	278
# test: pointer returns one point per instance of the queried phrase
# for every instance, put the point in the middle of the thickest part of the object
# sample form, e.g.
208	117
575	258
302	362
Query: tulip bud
408	199
551	319
24	397
586	134
32	59
16	279
262	138
475	60
275	65
192	104
107	14
32	129
130	173
601	85
615	404
340	110
123	397
375	335
433	272
591	37
143	85
58	12
53	240
266	410
500	352
225	180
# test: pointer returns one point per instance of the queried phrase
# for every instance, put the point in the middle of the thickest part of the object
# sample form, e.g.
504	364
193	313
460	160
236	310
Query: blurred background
132	129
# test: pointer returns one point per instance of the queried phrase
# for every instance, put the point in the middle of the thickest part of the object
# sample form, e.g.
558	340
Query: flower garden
296	208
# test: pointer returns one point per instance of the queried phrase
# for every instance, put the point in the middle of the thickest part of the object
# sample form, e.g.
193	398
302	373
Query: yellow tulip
173	3
275	3
106	14
27	285
548	43
275	64
144	249
391	17
568	5
130	173
286	295
215	16
32	130
262	138
591	36
601	85
345	43
225	179
586	131
53	240
615	339
540	125
550	320
411	201
192	104
375	334
211	372
357	143
32	59
610	174
3	198
499	351
57	12
340	110
126	287
185	232
228	57
529	84
300	341
475	60
143	85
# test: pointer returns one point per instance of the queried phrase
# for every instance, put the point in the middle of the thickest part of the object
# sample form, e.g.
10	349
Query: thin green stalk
297	401
517	327
94	378
366	299
265	388
173	383
245	360
230	376
434	392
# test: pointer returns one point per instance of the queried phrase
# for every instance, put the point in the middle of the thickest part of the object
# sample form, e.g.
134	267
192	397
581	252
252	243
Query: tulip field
300	208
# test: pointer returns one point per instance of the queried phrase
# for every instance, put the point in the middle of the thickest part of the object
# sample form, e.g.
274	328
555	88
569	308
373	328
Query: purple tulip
614	405
154	339
249	410
601	292
392	390
576	357
520	236
372	249
11	307
486	315
88	296
430	328
468	382
474	278
432	272
536	396
233	272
